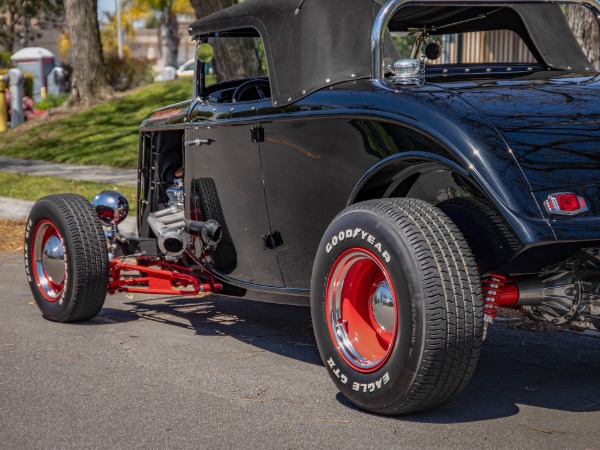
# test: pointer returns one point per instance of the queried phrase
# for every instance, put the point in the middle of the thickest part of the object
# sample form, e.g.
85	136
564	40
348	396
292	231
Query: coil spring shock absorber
496	291
491	288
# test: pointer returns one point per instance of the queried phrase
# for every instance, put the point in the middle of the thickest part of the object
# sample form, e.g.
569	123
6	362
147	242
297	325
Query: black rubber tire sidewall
403	361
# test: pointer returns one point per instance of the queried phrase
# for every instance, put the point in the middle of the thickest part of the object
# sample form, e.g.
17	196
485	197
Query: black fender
393	177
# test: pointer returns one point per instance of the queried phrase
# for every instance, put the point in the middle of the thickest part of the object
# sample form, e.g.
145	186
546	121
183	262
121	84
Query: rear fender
441	178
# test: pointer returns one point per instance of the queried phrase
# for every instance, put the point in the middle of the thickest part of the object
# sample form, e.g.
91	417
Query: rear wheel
396	306
66	258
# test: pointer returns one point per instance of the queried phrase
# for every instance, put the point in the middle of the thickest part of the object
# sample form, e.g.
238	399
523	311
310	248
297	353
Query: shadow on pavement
281	329
557	370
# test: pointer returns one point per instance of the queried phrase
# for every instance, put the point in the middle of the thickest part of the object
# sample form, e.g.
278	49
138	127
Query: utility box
39	62
57	81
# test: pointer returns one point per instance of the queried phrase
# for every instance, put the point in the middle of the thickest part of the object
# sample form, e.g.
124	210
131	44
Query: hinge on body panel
257	134
272	241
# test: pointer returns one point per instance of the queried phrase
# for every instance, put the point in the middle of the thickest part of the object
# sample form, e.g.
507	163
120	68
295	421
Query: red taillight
566	203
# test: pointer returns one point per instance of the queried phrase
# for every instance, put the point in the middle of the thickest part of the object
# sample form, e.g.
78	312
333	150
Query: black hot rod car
403	167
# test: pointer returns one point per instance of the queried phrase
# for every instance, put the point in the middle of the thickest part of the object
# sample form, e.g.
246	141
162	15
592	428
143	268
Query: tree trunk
8	25
88	82
234	57
10	31
586	30
171	33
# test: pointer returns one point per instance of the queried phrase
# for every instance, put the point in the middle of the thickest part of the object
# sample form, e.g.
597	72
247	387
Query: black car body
505	151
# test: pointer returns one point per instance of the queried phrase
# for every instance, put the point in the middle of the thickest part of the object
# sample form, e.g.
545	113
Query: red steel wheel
362	314
48	260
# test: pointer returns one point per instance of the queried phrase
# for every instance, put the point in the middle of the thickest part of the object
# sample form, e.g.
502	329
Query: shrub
129	72
28	84
5	61
52	101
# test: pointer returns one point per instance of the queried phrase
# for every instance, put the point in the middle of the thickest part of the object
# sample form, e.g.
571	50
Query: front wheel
66	258
396	306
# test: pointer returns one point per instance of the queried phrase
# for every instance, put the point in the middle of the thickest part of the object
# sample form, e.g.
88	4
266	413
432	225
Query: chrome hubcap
53	260
384	309
48	260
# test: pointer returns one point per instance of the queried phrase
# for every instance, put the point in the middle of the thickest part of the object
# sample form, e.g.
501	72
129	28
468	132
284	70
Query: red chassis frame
157	277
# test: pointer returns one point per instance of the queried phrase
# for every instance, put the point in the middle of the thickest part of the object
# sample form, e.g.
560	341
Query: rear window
483	47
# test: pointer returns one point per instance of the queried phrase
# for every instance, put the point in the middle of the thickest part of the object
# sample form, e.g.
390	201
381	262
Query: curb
13	209
99	174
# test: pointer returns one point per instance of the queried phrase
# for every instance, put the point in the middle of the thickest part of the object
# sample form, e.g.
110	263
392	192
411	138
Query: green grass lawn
104	134
30	187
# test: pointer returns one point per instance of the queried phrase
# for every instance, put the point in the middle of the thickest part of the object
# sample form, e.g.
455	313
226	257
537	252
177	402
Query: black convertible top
311	44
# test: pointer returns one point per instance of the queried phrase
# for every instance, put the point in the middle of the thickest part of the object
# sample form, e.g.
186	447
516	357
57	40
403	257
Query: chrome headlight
111	207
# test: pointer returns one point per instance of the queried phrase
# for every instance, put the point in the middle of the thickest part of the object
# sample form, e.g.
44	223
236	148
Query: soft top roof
311	44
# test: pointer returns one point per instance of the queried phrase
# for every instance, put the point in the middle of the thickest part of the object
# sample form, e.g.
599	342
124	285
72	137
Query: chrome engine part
168	226
176	193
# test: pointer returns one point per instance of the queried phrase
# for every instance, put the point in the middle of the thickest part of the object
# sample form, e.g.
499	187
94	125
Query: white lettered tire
396	306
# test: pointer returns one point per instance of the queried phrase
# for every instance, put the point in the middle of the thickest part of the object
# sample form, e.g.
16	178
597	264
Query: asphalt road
223	373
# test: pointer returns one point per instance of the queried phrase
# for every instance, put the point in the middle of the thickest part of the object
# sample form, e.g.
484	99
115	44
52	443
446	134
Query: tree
168	11
586	30
131	11
21	20
240	55
88	83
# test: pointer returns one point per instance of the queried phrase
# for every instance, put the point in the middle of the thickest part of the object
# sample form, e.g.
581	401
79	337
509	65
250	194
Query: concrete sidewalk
15	209
99	174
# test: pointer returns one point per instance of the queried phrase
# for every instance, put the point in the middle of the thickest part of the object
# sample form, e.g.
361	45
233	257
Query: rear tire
66	258
490	238
396	306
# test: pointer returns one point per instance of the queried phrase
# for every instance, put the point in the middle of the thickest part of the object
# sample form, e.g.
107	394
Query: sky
105	5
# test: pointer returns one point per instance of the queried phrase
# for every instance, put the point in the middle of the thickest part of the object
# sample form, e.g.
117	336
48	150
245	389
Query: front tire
206	200
396	306
66	258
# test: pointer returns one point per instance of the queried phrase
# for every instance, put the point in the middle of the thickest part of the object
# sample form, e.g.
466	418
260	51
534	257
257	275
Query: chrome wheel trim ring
48	258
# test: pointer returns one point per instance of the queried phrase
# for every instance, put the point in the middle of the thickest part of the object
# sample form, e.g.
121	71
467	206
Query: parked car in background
403	168
186	69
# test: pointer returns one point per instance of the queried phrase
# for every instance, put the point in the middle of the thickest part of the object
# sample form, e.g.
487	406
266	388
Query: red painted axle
163	278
